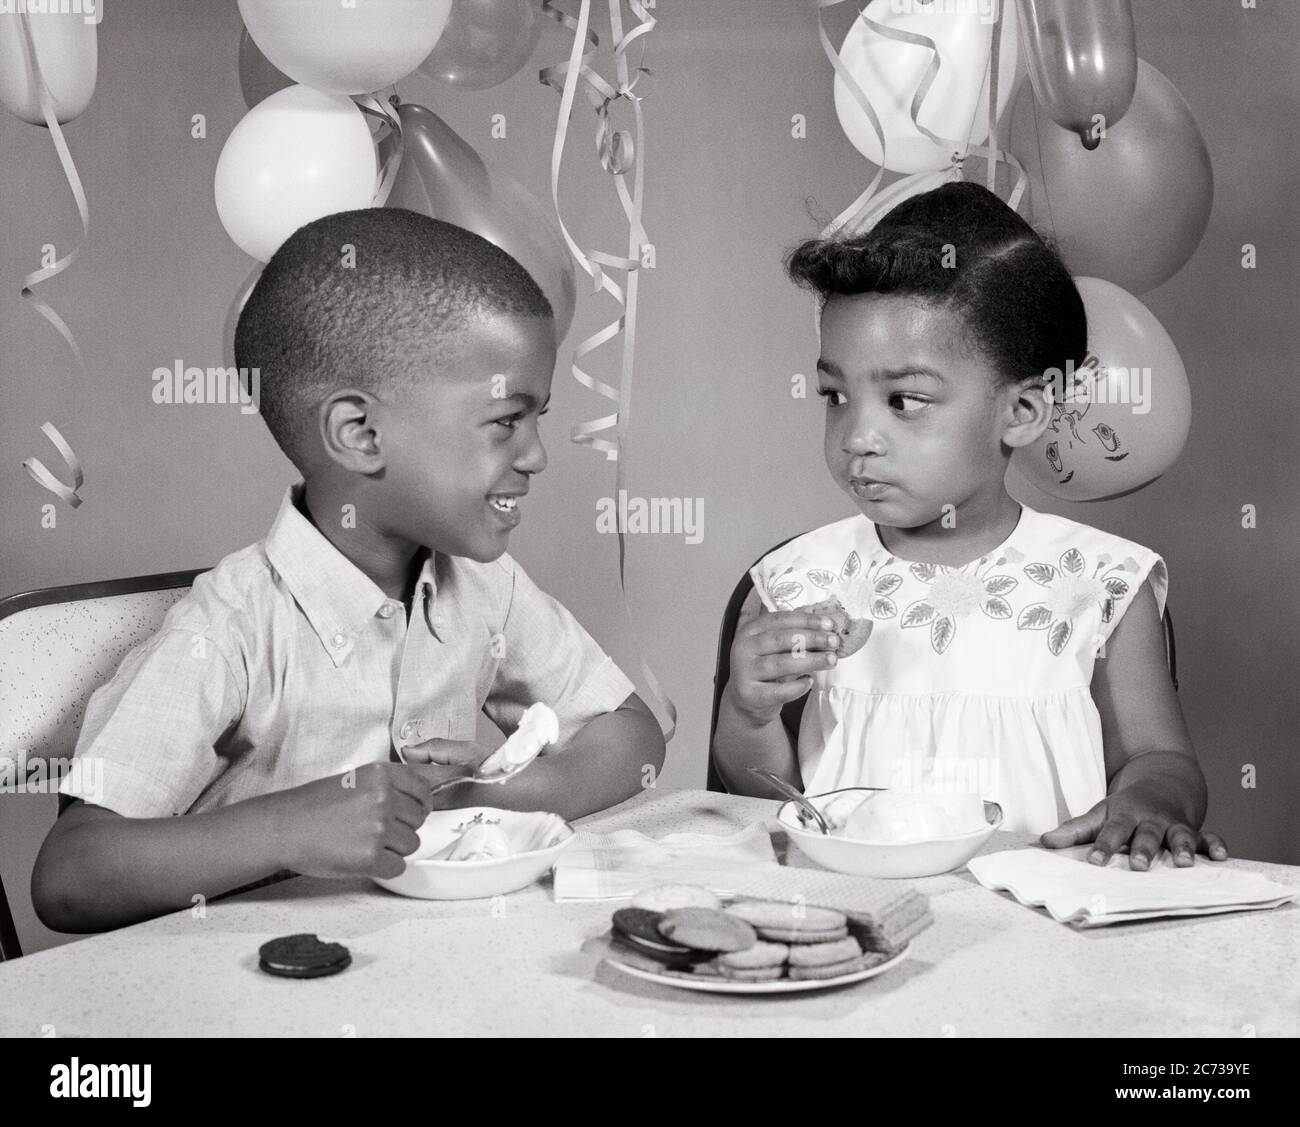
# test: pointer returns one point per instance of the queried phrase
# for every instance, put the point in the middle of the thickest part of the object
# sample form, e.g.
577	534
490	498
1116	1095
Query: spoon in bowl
805	810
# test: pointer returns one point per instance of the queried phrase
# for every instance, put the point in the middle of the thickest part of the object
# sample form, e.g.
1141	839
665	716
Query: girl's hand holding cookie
1140	818
773	658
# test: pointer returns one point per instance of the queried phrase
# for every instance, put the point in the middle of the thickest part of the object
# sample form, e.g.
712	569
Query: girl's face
916	418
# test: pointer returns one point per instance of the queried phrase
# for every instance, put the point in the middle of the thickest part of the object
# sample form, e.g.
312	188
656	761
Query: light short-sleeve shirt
285	663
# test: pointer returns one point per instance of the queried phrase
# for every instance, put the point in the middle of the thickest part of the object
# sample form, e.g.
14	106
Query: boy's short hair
367	299
1021	307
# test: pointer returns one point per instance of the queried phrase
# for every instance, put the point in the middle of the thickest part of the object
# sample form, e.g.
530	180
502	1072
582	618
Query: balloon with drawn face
1121	418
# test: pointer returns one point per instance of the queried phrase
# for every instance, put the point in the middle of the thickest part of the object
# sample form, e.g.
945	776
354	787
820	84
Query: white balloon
294	157
342	47
889	72
67	52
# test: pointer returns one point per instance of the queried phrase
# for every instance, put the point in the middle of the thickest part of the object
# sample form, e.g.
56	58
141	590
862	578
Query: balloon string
618	151
78	193
47	480
385	111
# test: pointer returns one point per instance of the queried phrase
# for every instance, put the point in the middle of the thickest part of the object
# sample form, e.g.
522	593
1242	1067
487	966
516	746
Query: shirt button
339	640
408	729
437	622
386	611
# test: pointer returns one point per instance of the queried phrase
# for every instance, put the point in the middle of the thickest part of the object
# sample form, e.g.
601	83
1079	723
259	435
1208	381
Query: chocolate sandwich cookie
638	928
302	956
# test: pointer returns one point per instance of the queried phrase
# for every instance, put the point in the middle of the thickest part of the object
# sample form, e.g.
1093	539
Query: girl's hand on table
773	659
1141	819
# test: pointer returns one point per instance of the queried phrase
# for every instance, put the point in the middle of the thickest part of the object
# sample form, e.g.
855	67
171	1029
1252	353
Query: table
517	966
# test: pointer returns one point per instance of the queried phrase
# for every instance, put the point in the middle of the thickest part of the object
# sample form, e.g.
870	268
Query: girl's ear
1028	411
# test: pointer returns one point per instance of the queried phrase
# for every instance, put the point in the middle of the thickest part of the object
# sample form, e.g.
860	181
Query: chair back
56	647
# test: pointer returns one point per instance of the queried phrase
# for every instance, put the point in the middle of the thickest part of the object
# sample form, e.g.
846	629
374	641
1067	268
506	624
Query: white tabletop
988	966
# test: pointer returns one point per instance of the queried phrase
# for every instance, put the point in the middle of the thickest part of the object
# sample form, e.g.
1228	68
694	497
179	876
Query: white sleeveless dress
973	678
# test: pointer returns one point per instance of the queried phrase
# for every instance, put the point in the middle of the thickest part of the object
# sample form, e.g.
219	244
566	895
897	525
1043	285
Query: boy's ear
1029	410
349	431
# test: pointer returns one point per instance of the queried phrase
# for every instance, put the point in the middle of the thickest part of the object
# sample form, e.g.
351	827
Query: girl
1007	651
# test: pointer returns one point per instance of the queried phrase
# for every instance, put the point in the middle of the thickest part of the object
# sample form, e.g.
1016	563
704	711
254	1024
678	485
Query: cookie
638	929
668	897
824	954
706	929
751	974
783	922
853	632
761	955
833	970
302	956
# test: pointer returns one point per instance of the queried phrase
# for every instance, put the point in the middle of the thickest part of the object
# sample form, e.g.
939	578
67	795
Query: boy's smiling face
916	417
460	446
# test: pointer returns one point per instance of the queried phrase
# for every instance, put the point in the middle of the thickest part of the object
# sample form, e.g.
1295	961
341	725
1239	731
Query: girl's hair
1018	301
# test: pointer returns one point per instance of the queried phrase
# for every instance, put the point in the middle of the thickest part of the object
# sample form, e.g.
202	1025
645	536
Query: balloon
1119	425
443	177
889	72
484	42
67	51
1134	210
345	48
258	79
296	156
1082	62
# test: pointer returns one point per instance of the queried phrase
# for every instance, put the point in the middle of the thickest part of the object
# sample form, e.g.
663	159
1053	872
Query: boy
404	363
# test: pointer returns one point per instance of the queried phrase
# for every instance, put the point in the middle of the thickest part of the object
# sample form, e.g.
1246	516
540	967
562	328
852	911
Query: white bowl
877	859
475	880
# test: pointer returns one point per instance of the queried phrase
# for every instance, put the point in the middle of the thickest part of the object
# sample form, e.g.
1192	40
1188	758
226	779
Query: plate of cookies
688	938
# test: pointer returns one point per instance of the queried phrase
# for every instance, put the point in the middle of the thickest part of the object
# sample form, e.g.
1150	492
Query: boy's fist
362	823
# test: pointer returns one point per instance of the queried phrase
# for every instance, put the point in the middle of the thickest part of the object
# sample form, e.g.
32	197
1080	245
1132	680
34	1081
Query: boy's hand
362	823
773	658
1139	818
449	753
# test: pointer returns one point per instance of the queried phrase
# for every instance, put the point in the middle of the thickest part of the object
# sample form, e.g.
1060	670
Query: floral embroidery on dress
1070	593
955	593
861	593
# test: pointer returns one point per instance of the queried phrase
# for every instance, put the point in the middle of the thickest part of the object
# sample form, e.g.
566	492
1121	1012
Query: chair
56	647
792	713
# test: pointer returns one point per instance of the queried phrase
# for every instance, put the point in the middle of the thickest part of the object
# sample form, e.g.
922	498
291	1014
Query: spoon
805	809
479	776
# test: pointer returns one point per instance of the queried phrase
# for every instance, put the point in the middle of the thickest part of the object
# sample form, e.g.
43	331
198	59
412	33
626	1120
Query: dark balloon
443	177
485	42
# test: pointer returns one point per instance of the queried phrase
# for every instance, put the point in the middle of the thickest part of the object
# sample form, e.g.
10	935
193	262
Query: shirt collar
337	597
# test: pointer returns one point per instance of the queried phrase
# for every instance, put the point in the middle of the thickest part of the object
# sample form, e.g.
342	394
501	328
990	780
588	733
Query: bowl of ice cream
479	851
888	833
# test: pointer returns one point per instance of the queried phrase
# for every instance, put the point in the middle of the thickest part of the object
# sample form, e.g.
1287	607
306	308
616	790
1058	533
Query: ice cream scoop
481	842
538	727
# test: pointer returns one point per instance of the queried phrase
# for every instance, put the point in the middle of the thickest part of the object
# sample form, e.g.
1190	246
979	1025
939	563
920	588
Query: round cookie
853	632
829	970
302	956
761	955
669	897
751	974
776	921
824	954
706	929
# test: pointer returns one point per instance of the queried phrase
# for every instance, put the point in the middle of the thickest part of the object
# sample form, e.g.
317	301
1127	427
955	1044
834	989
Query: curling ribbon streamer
79	194
47	480
377	107
618	151
855	217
